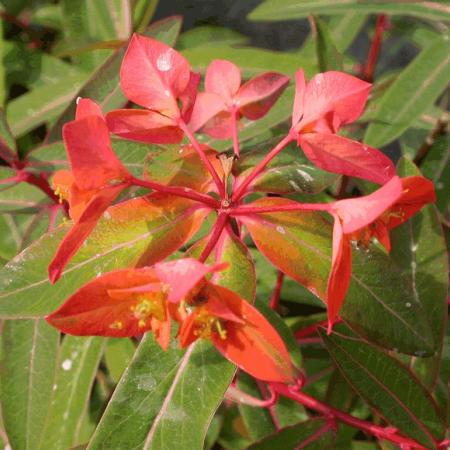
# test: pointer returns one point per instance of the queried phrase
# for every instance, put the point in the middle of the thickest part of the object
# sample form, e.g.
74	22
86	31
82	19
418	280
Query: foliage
203	244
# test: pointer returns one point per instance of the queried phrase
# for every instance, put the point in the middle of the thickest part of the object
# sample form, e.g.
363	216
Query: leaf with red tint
183	275
337	97
95	309
143	126
240	332
180	165
81	229
298	243
259	94
340	275
337	154
224	97
154	75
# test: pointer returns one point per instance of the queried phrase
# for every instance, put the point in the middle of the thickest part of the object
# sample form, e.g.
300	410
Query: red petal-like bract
224	96
81	229
98	177
154	75
336	96
356	213
341	155
341	271
94	310
182	276
144	126
246	338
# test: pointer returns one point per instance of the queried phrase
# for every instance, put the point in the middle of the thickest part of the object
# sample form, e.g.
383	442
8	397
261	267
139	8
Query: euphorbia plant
184	297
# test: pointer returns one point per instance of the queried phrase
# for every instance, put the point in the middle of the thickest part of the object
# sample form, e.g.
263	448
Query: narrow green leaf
140	231
28	372
103	87
7	142
77	365
212	34
328	55
291	438
157	401
414	90
386	385
42	104
251	60
118	354
274	10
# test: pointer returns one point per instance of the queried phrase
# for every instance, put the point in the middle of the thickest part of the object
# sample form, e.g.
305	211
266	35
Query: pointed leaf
413	91
387	386
297	436
273	10
328	55
30	350
165	406
77	366
299	244
118	354
137	232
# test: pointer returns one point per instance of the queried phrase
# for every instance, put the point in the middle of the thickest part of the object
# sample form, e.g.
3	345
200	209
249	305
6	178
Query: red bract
96	178
224	96
239	331
321	106
132	301
157	77
371	216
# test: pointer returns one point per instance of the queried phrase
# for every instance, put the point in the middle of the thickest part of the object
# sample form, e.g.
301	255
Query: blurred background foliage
53	51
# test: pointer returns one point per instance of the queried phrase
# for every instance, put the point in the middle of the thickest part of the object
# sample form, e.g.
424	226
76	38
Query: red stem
221	221
245	210
387	433
41	183
241	189
374	52
203	157
275	299
177	190
234	128
273	414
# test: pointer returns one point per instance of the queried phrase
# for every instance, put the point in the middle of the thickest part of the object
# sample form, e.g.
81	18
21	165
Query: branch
203	157
387	433
241	189
381	26
177	190
221	221
275	298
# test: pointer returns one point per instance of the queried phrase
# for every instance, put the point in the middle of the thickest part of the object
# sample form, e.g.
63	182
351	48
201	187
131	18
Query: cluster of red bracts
133	301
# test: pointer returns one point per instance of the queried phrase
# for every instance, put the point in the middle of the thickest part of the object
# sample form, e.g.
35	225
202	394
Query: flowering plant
170	252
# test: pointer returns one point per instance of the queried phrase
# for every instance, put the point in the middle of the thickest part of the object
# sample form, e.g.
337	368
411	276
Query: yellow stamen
116	325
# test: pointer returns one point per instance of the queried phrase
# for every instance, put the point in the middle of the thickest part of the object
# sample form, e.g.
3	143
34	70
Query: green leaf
103	87
212	34
413	91
118	354
28	372
328	55
299	244
387	385
77	365
158	401
419	248
21	197
7	142
287	173
42	104
291	438
137	232
274	10
251	60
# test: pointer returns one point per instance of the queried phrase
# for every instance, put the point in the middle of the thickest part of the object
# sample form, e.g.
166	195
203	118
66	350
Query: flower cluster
135	300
